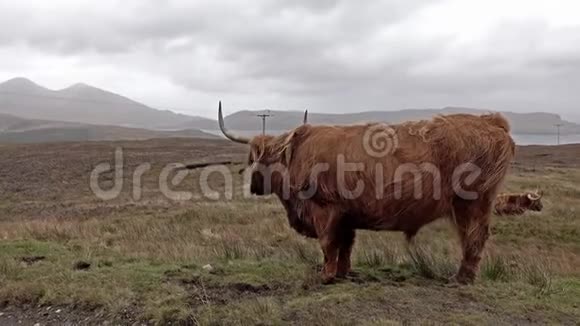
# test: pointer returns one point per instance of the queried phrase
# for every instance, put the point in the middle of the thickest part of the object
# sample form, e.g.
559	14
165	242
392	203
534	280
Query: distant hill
18	130
86	104
522	123
11	123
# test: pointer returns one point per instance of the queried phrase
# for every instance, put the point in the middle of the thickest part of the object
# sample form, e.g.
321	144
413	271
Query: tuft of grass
305	253
311	278
430	265
374	258
231	250
168	306
256	311
537	273
261	251
496	268
9	269
21	293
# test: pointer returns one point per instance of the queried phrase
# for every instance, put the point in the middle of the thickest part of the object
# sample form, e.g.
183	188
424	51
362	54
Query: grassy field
67	256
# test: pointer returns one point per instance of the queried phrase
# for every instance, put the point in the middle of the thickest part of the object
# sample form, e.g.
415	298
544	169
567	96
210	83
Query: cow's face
257	172
268	157
535	201
264	166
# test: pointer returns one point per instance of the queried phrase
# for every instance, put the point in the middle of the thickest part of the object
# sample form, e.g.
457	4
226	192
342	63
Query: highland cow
518	204
334	180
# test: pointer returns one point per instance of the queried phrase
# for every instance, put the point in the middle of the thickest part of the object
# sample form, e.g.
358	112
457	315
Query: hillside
18	130
11	123
86	104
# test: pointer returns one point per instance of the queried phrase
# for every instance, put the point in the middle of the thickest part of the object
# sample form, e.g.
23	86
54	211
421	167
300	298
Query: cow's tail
504	152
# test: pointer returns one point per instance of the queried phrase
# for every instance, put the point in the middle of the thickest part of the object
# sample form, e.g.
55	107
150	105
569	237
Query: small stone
58	311
1	314
82	265
37	324
208	268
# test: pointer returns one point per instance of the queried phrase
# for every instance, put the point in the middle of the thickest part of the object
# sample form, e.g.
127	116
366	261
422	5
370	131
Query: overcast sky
328	56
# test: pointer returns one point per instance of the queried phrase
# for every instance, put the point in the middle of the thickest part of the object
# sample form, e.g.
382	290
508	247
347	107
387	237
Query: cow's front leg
330	249
327	228
346	242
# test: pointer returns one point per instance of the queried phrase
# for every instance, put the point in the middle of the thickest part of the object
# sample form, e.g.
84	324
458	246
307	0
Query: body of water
520	139
531	139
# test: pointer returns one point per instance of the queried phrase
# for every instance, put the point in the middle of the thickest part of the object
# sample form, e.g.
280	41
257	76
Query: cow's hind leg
347	236
472	221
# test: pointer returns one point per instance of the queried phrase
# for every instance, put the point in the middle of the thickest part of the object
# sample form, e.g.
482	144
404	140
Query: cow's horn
534	197
305	116
229	135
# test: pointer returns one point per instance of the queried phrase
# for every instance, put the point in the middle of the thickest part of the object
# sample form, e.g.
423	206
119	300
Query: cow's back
408	181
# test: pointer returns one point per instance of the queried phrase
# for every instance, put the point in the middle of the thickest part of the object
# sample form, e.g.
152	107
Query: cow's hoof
344	275
328	279
460	279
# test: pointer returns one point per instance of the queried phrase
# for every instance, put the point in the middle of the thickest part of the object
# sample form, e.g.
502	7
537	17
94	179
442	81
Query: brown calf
518	204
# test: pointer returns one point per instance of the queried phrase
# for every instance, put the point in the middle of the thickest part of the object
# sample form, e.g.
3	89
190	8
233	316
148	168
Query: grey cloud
330	55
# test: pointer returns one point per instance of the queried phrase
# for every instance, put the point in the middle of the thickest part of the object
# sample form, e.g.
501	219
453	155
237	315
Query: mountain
522	123
19	130
86	104
81	103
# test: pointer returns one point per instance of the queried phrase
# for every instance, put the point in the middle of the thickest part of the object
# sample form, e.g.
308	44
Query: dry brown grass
146	257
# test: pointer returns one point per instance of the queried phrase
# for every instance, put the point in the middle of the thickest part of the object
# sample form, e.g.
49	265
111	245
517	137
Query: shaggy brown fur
389	200
518	204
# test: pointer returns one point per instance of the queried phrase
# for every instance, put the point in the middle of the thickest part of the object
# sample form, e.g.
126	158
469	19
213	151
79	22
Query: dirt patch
62	316
205	292
29	260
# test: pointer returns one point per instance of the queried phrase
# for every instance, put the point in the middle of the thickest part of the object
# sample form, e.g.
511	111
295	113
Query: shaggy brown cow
517	204
333	180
